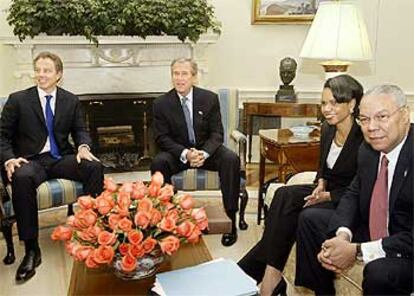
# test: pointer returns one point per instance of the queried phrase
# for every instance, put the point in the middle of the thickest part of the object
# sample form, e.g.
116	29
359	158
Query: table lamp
338	35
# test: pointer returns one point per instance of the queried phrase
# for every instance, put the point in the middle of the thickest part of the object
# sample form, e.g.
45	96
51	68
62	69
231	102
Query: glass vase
146	266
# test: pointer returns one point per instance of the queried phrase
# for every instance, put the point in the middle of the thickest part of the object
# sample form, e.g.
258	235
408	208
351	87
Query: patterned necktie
188	121
54	150
378	210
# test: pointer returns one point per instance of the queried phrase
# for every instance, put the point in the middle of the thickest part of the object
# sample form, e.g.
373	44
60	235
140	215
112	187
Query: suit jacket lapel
401	170
177	110
37	107
59	107
330	133
197	113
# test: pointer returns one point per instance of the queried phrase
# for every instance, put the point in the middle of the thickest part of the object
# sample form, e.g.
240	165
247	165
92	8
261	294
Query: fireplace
120	128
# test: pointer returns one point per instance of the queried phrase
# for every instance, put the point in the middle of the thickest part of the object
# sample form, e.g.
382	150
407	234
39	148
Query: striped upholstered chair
198	179
50	194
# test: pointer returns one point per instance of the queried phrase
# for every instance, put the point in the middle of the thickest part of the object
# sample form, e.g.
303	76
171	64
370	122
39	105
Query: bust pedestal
286	93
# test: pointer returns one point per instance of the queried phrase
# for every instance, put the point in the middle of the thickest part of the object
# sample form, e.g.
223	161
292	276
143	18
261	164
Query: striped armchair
50	194
198	179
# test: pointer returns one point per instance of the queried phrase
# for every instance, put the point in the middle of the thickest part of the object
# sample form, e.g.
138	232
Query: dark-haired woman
340	139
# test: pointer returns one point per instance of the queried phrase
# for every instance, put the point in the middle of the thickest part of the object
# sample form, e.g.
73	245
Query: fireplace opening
120	127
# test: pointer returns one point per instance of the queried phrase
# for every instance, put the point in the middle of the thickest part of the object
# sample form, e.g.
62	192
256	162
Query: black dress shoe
243	225
280	289
26	269
9	259
228	239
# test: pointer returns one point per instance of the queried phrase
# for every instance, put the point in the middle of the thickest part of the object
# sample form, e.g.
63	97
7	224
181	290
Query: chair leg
244	197
70	210
6	228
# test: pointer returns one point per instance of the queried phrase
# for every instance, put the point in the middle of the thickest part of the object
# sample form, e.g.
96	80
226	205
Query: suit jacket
23	130
344	169
353	209
170	129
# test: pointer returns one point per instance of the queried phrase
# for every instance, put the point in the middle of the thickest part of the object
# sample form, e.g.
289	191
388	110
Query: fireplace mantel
118	64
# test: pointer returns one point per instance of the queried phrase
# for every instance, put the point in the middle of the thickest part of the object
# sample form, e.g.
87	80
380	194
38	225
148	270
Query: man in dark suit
373	223
35	126
189	132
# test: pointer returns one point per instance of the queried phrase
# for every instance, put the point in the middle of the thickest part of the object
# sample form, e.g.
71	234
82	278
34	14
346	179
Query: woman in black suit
340	139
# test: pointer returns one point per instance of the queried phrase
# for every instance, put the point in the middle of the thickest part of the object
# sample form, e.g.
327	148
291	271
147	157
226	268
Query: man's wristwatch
359	255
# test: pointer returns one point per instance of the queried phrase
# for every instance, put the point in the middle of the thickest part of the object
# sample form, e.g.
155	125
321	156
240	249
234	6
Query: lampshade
338	35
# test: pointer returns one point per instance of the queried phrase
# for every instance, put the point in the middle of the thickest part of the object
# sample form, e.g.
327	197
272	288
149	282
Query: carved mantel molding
118	64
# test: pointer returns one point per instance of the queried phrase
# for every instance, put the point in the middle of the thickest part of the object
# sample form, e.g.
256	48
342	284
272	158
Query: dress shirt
373	250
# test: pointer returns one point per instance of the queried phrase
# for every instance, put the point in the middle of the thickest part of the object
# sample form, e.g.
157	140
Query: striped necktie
188	121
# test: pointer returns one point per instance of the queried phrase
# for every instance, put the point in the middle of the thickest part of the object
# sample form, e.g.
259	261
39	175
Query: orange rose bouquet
128	221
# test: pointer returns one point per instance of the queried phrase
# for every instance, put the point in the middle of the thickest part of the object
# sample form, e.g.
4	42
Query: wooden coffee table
85	281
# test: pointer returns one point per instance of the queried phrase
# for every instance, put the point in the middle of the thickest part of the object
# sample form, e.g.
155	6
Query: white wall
247	56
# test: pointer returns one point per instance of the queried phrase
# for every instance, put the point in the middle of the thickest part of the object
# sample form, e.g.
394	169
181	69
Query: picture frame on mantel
284	11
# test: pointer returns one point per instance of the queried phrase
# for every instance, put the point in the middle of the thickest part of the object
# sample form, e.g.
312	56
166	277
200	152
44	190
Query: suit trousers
384	276
40	168
224	161
280	231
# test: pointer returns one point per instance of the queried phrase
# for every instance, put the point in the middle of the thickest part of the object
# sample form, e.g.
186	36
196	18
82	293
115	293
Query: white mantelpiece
118	64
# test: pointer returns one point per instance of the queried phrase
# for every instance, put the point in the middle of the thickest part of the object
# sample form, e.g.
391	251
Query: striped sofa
50	194
198	179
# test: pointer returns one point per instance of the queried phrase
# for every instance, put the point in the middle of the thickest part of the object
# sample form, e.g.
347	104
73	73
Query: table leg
260	198
250	136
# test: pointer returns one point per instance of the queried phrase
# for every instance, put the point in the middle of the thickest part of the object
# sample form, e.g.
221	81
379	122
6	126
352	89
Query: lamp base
334	68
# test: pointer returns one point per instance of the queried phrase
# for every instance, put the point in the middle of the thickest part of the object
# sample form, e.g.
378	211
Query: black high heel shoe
280	289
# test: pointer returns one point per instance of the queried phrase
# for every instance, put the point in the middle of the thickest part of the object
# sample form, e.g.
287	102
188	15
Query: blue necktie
54	150
188	121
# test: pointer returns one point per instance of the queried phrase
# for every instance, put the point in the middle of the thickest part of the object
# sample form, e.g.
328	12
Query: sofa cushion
51	193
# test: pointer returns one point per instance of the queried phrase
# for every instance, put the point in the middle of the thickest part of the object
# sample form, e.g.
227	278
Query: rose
83	252
128	263
145	205
195	236
71	247
135	237
62	233
170	244
124	200
201	217
90	234
157	179
104	203
139	190
106	238
127	187
113	221
84	219
156	216
125	224
142	219
109	185
90	260
186	202
104	254
173	214
86	202
70	220
166	193
149	244
123	248
167	224
186	228
136	251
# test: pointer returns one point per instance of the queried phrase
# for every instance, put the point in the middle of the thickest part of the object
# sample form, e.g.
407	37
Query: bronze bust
287	72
